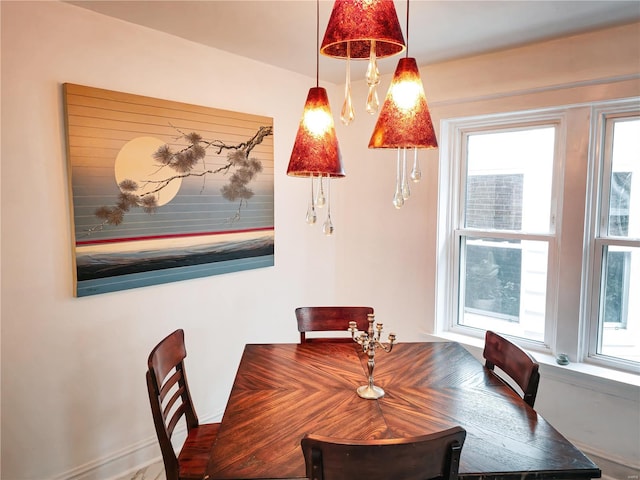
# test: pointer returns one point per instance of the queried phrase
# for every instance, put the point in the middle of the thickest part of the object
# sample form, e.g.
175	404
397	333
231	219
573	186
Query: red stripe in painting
160	237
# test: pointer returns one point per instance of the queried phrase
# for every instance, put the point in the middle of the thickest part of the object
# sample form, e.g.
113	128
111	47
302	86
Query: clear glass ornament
398	198
311	210
373	79
320	198
327	228
347	113
416	173
406	192
311	214
372	100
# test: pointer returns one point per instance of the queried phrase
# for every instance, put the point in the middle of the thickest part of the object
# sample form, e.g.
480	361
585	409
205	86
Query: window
615	239
540	230
505	227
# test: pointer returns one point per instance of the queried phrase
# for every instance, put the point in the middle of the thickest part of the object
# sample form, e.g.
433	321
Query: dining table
283	391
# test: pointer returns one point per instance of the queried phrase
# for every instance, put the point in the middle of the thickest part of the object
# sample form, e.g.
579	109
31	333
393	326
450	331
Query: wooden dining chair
519	365
330	319
170	402
435	455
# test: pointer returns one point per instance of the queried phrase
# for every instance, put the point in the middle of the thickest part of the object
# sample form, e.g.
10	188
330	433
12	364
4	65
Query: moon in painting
135	162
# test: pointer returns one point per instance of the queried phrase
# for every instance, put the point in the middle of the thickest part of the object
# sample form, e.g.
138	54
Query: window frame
603	117
570	323
455	140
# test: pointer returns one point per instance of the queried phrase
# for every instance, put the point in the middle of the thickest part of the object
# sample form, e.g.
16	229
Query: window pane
624	196
619	334
504	286
509	180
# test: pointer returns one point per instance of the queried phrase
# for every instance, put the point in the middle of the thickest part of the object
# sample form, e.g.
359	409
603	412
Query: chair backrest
169	395
328	319
515	362
436	455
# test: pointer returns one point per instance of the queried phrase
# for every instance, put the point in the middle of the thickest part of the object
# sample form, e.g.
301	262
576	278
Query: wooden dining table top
284	391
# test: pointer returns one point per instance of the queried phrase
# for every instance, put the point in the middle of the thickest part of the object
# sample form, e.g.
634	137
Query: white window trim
450	180
600	113
449	207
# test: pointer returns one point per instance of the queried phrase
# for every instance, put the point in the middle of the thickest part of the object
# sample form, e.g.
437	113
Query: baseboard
613	467
131	473
615	471
113	465
118	464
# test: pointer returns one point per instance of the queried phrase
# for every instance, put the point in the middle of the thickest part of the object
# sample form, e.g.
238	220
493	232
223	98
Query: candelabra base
370	393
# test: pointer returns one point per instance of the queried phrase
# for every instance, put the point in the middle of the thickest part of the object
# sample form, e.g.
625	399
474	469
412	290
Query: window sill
612	382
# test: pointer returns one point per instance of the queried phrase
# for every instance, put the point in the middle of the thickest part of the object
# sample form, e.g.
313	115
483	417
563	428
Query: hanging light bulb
404	120
363	29
316	150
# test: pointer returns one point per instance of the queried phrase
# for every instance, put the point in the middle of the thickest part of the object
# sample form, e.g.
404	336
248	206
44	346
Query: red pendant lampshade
404	120
358	22
316	150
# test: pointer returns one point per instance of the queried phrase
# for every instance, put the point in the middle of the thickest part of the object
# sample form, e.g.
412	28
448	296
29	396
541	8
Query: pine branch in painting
144	194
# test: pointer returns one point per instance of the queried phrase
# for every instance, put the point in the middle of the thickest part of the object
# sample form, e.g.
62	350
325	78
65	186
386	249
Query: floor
610	470
154	471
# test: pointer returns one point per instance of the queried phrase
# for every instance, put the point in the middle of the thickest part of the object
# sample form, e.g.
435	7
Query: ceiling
283	33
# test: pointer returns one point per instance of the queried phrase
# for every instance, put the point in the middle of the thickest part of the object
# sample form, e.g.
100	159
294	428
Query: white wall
73	394
73	391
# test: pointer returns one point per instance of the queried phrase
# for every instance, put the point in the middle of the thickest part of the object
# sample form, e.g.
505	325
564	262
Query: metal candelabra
369	341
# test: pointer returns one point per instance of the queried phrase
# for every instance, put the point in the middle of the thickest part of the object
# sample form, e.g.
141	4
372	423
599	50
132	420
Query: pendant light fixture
405	122
316	151
362	29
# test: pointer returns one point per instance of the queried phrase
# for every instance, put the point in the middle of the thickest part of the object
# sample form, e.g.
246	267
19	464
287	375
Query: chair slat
169	405
169	383
192	460
175	418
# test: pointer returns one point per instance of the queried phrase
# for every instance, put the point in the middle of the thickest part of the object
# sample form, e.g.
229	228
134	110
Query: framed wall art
164	191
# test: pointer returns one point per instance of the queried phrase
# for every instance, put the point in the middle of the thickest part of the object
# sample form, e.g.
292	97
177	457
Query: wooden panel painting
164	191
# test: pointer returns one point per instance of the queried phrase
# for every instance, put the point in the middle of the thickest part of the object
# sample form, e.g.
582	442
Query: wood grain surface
284	391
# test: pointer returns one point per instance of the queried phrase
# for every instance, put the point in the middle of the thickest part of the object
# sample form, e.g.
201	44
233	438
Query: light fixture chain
317	43
407	44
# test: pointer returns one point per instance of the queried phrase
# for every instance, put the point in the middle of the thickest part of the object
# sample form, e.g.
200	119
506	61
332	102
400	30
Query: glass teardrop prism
373	79
327	228
416	173
347	113
311	215
320	198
